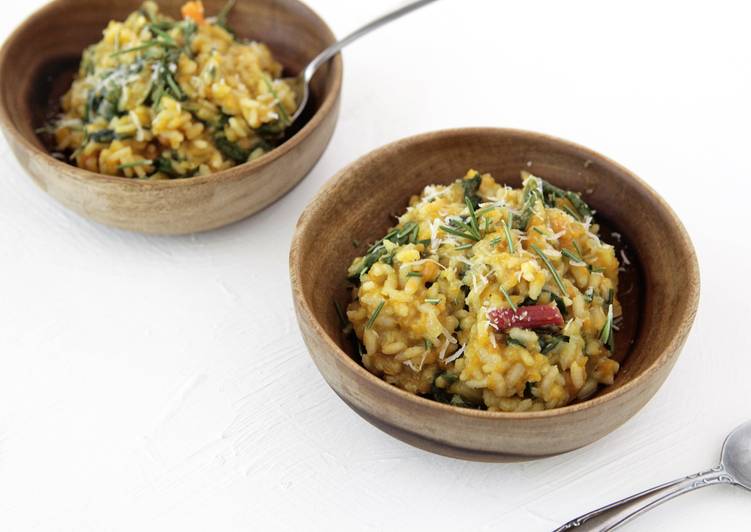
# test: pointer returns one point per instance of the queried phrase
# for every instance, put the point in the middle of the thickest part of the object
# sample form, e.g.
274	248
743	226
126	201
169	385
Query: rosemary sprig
549	265
508	298
144	46
221	17
530	195
463	247
375	314
550	192
573	257
472	218
570	212
159	32
606	334
456	232
509	240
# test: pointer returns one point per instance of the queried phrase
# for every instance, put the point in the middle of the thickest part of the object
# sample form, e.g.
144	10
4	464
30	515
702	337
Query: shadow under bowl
659	290
37	64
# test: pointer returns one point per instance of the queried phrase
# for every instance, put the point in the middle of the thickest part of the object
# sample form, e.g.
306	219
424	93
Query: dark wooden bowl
36	66
659	292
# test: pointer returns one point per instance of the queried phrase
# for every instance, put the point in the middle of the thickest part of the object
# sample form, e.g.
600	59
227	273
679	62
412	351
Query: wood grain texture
40	53
356	205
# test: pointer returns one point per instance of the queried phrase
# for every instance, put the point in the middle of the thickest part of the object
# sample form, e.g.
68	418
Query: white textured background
154	383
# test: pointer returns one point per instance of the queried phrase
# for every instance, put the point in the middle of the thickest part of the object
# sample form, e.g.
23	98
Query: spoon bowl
736	455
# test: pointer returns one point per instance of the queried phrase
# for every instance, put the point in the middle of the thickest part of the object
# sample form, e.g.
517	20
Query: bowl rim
230	174
671	350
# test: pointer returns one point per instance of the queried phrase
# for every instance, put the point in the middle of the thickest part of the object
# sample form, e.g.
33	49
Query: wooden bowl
659	292
36	66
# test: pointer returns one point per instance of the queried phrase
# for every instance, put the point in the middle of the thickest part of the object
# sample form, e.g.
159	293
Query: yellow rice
161	98
421	310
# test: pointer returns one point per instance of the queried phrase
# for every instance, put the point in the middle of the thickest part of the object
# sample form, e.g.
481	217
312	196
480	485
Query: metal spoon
734	468
301	82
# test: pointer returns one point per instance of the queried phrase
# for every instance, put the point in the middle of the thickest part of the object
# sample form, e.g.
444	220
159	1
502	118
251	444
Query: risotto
160	98
490	297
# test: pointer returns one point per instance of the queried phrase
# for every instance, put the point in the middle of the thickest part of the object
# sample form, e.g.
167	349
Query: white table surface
161	383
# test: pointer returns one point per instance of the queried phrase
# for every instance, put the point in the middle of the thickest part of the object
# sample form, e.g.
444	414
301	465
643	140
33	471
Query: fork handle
619	513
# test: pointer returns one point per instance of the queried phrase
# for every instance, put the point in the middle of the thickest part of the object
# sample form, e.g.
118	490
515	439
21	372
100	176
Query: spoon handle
334	49
619	513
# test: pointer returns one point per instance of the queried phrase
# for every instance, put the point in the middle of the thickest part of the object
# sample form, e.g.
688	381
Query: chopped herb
472	218
433	301
553	271
144	46
549	342
508	297
355	243
343	321
165	165
569	211
551	192
446	379
514	341
284	117
495	241
457	232
373	316
229	149
414	274
509	240
159	32
471	186
530	195
190	28
558	302
540	231
606	334
463	247
174	86
589	295
427	344
221	18
103	136
572	256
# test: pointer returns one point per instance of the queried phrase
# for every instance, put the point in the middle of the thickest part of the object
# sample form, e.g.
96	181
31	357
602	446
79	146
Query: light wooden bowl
659	293
37	63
